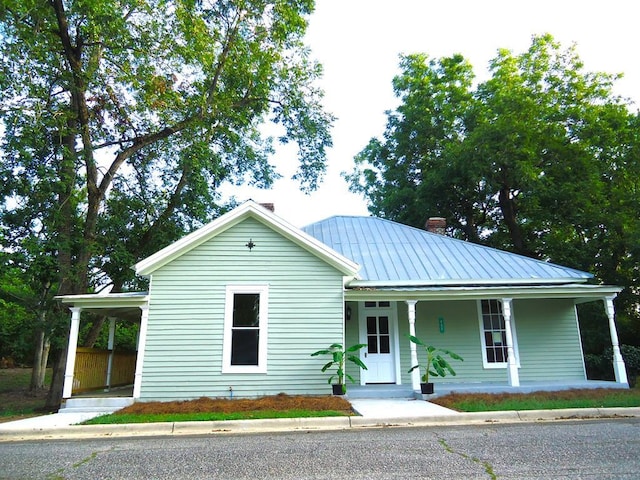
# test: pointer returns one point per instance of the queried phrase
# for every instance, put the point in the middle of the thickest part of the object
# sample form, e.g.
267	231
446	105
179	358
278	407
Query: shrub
600	367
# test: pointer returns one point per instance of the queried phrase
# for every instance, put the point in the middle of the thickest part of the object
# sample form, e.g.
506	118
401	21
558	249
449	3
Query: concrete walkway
398	408
373	413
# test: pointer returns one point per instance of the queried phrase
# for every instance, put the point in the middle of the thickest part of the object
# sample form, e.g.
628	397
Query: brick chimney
269	206
436	225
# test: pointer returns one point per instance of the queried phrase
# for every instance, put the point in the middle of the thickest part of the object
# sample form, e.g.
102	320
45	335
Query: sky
358	42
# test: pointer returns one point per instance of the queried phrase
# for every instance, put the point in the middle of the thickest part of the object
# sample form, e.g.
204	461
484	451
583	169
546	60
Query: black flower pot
426	388
338	389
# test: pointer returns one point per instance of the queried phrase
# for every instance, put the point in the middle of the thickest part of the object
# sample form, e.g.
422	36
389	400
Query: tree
29	317
541	159
122	118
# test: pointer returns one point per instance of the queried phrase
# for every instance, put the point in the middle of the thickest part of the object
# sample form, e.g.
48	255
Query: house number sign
441	324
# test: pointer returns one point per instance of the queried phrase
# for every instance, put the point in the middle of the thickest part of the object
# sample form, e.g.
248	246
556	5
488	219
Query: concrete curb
309	424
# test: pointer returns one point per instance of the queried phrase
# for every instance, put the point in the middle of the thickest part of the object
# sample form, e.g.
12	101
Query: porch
444	388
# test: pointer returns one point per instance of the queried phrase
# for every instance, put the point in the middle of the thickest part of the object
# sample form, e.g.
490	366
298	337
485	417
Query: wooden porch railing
90	372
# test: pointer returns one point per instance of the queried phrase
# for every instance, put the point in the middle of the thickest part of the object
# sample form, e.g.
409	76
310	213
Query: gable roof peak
248	209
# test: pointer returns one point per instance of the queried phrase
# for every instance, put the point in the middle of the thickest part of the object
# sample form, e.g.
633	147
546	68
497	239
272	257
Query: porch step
102	405
379	391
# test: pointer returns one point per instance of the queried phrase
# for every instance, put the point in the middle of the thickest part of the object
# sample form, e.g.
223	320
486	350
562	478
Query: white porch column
618	362
415	375
71	352
512	366
142	340
110	345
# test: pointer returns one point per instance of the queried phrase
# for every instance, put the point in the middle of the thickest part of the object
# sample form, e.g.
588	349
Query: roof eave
467	282
96	300
580	293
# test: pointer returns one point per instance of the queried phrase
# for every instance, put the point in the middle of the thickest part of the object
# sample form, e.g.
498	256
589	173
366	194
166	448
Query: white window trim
231	290
485	362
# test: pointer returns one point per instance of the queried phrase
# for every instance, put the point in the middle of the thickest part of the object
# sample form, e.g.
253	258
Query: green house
236	307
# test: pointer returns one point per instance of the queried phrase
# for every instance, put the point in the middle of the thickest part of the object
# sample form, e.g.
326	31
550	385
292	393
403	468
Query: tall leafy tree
122	117
540	159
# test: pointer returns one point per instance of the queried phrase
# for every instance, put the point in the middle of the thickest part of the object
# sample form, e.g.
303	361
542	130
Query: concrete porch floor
125	391
383	391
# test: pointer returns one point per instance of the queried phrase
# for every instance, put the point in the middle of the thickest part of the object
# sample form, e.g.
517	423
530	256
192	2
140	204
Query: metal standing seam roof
390	253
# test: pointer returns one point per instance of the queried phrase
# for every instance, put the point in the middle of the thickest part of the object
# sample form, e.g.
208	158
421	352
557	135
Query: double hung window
494	334
245	329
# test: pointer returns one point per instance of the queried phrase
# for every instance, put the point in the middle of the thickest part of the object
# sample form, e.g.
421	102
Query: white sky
358	43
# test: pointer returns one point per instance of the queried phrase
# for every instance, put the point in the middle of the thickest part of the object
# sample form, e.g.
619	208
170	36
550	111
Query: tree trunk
54	398
94	332
45	360
36	371
508	209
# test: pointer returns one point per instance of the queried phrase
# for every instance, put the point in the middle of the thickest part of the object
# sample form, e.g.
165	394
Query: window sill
243	369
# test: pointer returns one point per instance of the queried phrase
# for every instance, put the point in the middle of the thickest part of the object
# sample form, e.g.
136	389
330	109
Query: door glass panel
372	328
372	344
384	325
384	344
370	304
384	304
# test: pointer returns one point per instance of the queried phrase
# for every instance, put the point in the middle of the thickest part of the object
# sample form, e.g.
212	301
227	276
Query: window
494	334
245	329
377	304
378	336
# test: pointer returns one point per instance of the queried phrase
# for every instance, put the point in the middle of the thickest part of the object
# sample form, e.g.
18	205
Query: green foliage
541	159
339	356
600	366
122	118
126	335
435	363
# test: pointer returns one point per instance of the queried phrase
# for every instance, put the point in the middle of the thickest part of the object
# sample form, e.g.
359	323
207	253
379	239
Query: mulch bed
278	402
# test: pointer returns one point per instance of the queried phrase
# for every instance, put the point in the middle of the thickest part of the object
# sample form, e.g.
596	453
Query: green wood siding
546	330
549	340
183	356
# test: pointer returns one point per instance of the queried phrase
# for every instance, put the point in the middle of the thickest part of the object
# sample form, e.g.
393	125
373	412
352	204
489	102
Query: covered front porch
94	377
544	351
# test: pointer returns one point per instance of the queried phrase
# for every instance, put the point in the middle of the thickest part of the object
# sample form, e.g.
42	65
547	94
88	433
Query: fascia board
580	293
455	283
96	300
235	216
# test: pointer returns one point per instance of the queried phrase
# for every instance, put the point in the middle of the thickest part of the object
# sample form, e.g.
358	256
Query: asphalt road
602	449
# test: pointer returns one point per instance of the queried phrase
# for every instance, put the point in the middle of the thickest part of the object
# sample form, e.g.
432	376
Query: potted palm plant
436	365
338	358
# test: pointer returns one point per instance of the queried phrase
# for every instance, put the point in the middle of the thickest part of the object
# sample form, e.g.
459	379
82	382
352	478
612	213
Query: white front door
378	331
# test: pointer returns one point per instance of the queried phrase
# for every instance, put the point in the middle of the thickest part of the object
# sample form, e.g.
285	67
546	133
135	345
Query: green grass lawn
209	416
15	399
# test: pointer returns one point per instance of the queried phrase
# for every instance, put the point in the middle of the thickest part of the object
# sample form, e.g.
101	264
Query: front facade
237	307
